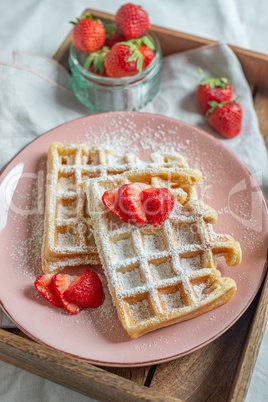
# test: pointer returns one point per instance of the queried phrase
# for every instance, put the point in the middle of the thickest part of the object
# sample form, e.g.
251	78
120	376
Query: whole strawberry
148	55
213	89
225	118
132	21
114	38
123	60
88	35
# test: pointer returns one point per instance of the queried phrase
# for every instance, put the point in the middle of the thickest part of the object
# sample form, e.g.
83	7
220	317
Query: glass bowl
105	94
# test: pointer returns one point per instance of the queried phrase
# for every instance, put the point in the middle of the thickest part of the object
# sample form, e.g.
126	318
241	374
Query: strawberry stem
97	59
74	22
215	104
202	72
145	40
214	82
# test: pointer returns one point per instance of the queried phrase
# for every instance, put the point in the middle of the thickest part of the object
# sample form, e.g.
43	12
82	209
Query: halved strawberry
44	285
158	203
110	200
61	283
86	291
130	202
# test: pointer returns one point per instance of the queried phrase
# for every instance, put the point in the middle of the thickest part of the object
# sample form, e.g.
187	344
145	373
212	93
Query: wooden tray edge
83	377
241	381
254	64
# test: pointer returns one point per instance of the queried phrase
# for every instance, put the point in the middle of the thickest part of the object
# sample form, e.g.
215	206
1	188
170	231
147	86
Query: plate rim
133	114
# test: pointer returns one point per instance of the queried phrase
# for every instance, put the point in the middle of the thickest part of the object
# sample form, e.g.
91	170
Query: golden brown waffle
68	238
164	275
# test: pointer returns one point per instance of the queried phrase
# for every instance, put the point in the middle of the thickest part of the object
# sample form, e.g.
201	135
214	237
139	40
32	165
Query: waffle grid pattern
68	238
162	275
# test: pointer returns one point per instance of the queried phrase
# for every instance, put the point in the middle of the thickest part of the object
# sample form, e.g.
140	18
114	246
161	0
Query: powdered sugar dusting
153	270
123	249
140	311
130	279
154	242
25	250
172	301
191	264
68	238
163	270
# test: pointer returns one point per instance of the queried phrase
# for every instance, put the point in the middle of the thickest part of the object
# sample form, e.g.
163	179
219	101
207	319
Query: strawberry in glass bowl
115	64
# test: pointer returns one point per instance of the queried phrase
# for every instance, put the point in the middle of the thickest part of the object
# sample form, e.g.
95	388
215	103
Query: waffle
68	237
168	274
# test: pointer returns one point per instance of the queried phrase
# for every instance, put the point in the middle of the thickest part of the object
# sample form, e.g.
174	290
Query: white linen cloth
40	26
41	98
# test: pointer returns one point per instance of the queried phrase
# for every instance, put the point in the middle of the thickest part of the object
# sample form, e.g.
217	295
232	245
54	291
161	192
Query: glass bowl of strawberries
115	65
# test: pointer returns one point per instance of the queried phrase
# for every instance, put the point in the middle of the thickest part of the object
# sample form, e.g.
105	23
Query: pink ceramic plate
97	335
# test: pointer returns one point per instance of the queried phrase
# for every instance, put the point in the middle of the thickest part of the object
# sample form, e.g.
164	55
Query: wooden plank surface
261	107
72	373
251	348
206	374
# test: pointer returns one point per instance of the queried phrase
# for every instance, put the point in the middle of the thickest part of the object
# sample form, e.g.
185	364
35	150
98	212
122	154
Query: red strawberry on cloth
130	202
158	203
61	283
44	285
132	21
225	118
88	35
213	89
86	291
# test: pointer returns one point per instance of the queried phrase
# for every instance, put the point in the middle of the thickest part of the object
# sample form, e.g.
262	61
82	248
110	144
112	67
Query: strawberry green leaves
135	45
221	82
97	60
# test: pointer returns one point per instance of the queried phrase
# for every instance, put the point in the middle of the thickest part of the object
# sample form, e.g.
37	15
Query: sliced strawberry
44	285
110	200
61	283
130	202
86	291
158	203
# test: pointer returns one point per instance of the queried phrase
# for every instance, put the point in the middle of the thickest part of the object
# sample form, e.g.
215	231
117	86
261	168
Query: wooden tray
220	371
